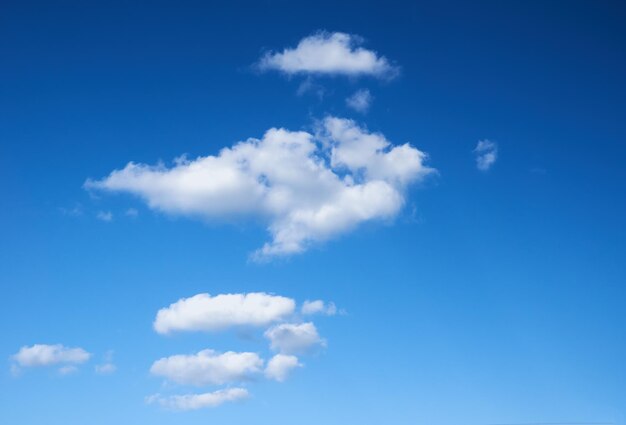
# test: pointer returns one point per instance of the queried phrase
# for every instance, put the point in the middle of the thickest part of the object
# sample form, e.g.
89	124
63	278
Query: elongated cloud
329	53
203	312
199	401
291	338
307	187
47	355
208	367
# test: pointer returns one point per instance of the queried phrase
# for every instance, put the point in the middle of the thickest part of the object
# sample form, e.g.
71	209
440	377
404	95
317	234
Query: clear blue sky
490	296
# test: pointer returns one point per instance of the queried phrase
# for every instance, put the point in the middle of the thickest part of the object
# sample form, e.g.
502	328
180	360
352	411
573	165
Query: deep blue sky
494	297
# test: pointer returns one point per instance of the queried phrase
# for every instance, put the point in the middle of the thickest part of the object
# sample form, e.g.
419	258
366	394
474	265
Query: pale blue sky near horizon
491	296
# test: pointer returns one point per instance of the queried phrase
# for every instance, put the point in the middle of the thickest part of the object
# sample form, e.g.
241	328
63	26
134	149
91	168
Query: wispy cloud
199	401
360	101
486	153
106	216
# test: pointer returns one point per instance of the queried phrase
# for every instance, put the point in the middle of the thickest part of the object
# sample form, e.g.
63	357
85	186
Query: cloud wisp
308	188
360	101
486	153
199	401
326	53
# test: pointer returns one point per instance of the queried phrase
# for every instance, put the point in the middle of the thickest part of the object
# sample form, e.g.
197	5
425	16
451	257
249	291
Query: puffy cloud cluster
204	312
307	187
334	53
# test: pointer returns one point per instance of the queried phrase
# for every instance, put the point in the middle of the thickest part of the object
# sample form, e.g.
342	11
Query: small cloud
106	216
328	53
198	401
360	101
131	212
280	366
486	153
318	307
291	338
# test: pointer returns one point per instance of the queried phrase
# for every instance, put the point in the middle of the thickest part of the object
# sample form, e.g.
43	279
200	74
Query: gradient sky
493	295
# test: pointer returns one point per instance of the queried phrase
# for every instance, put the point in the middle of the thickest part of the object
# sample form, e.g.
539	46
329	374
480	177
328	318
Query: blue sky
457	288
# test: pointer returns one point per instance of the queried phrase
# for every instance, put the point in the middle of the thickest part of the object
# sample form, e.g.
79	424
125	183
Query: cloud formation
199	401
360	101
47	355
294	338
203	312
280	366
307	187
318	307
334	53
208	367
486	153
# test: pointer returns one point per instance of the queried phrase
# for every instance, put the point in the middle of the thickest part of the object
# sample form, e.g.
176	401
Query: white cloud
106	216
208	367
291	338
318	307
280	366
360	101
486	153
307	188
47	355
203	312
329	53
199	401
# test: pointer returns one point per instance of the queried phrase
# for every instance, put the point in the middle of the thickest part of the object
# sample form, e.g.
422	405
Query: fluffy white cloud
203	312
208	367
329	53
486	153
199	401
308	188
46	355
292	338
360	101
280	366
